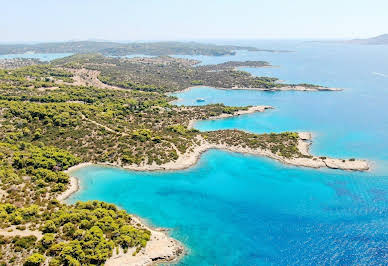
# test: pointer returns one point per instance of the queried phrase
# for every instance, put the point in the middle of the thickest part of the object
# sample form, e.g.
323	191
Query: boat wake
380	74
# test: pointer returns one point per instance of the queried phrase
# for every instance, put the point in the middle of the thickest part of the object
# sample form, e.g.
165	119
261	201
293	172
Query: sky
132	20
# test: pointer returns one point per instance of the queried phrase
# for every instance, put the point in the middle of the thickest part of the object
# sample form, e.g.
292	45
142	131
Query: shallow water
233	209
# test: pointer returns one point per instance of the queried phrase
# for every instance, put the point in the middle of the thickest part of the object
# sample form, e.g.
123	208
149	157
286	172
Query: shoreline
74	185
189	159
161	248
273	89
250	110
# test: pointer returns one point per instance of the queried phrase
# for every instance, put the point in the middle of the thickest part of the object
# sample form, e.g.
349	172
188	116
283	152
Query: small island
91	109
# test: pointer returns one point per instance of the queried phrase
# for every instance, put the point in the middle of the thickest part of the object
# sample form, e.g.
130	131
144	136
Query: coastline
85	77
189	159
160	248
74	185
284	88
250	110
287	88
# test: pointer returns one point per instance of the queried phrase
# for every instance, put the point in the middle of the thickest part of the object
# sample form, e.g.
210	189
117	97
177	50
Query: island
92	109
123	49
378	40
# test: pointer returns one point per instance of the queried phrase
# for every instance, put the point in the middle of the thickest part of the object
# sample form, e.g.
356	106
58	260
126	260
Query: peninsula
378	40
123	49
168	74
92	109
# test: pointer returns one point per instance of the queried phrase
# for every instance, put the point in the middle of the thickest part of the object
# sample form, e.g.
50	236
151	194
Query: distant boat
200	100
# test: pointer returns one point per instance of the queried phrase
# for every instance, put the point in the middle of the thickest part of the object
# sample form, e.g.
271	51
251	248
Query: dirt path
98	124
87	77
22	233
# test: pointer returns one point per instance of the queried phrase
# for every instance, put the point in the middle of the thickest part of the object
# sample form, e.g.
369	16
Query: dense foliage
51	119
167	74
82	234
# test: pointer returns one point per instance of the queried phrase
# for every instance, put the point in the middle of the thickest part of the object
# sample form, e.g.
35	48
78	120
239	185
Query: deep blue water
233	209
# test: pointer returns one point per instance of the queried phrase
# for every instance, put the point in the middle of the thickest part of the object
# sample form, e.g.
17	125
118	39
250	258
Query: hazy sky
50	20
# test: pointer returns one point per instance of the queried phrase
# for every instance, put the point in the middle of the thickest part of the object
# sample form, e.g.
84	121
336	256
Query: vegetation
50	121
84	233
18	62
168	74
112	48
99	125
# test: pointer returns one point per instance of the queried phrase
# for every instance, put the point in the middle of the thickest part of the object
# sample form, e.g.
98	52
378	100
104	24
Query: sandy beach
74	182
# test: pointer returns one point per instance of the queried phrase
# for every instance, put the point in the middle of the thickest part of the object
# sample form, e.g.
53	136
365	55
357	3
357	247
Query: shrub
49	227
25	242
35	259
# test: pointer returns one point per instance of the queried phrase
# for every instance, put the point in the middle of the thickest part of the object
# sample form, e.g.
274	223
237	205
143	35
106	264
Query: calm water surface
233	209
41	57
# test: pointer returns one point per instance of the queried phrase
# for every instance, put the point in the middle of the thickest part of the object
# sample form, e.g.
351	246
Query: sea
41	56
236	209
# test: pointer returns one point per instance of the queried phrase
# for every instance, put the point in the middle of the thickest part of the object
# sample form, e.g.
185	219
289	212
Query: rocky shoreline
250	110
283	88
160	248
189	159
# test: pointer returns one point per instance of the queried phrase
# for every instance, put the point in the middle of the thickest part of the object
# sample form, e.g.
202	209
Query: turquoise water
233	209
41	57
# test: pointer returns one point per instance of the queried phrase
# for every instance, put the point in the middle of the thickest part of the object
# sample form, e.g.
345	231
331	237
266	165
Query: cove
234	209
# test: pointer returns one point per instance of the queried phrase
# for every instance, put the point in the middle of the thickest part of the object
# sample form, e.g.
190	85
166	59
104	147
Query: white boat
200	100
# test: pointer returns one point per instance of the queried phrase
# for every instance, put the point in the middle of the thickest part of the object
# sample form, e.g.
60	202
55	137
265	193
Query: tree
47	240
49	227
35	259
38	134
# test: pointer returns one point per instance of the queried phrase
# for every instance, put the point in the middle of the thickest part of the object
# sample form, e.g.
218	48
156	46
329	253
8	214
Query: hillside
381	39
121	49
